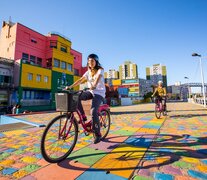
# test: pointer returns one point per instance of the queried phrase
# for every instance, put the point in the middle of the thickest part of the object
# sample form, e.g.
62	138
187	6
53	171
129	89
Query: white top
100	88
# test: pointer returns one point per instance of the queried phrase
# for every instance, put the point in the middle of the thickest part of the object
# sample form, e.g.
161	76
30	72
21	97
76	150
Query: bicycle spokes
59	138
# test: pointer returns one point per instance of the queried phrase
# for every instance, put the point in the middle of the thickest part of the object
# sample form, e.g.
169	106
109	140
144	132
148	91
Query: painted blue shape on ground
141	142
202	151
23	147
2	135
9	171
10	150
197	174
15	120
39	156
161	176
146	118
94	174
149	157
37	145
165	150
204	161
151	126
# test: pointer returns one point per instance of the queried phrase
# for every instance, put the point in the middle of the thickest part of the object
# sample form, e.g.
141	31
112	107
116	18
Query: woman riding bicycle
160	93
95	80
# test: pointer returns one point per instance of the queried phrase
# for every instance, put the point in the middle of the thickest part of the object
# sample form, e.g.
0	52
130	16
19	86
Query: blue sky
143	31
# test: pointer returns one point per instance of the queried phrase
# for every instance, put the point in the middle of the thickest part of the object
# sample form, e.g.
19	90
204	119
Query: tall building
157	73
128	70
6	83
111	74
43	64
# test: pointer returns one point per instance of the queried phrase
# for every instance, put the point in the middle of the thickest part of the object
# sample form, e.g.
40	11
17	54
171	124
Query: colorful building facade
6	83
43	64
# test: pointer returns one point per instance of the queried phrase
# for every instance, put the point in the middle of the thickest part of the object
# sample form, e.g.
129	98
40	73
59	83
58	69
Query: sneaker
97	139
84	117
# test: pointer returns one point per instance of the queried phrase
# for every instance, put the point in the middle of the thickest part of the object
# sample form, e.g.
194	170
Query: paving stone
161	176
141	178
197	174
171	170
9	171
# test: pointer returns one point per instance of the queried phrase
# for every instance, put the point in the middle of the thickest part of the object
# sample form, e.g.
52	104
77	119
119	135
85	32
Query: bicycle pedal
86	133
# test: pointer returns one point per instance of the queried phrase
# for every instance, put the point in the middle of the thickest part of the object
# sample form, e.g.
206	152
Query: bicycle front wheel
59	138
105	122
157	111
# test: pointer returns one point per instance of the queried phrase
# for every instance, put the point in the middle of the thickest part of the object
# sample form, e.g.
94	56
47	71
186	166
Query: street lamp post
188	87
202	78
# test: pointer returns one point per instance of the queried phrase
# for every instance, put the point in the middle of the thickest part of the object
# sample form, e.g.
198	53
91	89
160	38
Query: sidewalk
139	146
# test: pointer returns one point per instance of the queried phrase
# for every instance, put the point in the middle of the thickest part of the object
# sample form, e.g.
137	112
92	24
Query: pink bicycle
159	108
60	135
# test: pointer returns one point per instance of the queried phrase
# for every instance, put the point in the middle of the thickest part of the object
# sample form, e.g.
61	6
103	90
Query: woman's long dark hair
95	57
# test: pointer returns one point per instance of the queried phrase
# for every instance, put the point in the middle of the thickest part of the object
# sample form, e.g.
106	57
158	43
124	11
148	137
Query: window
63	49
46	79
25	57
30	76
76	72
33	40
63	65
32	59
53	44
70	67
56	63
39	61
38	78
49	63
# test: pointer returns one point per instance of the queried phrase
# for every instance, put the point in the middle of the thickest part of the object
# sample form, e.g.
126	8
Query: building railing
35	102
199	101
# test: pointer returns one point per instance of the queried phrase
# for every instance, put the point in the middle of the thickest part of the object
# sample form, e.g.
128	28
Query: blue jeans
96	102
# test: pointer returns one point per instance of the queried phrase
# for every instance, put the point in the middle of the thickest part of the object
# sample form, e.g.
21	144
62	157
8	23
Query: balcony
6	85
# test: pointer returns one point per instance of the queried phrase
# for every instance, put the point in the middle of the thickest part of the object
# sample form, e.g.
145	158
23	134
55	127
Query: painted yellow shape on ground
15	146
130	129
190	160
122	160
29	159
13	133
7	162
163	159
20	173
1	168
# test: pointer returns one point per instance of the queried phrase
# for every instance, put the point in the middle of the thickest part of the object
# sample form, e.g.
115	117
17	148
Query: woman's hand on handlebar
68	87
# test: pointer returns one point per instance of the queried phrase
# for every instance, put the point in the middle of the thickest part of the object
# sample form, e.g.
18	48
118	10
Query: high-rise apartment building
128	70
111	74
157	73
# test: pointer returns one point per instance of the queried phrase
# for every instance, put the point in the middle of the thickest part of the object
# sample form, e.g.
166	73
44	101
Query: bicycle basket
66	101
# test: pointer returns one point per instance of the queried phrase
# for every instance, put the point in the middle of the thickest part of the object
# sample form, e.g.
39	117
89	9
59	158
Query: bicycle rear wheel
105	123
59	138
157	111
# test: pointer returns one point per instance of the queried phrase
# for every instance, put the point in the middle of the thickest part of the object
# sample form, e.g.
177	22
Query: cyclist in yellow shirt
160	94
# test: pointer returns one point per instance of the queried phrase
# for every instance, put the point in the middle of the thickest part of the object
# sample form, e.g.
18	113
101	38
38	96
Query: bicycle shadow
187	116
131	112
156	150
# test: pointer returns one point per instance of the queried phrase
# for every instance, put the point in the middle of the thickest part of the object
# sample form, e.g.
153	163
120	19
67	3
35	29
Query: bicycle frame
83	124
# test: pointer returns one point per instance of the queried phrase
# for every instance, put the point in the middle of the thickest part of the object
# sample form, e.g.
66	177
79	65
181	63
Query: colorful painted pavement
139	146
